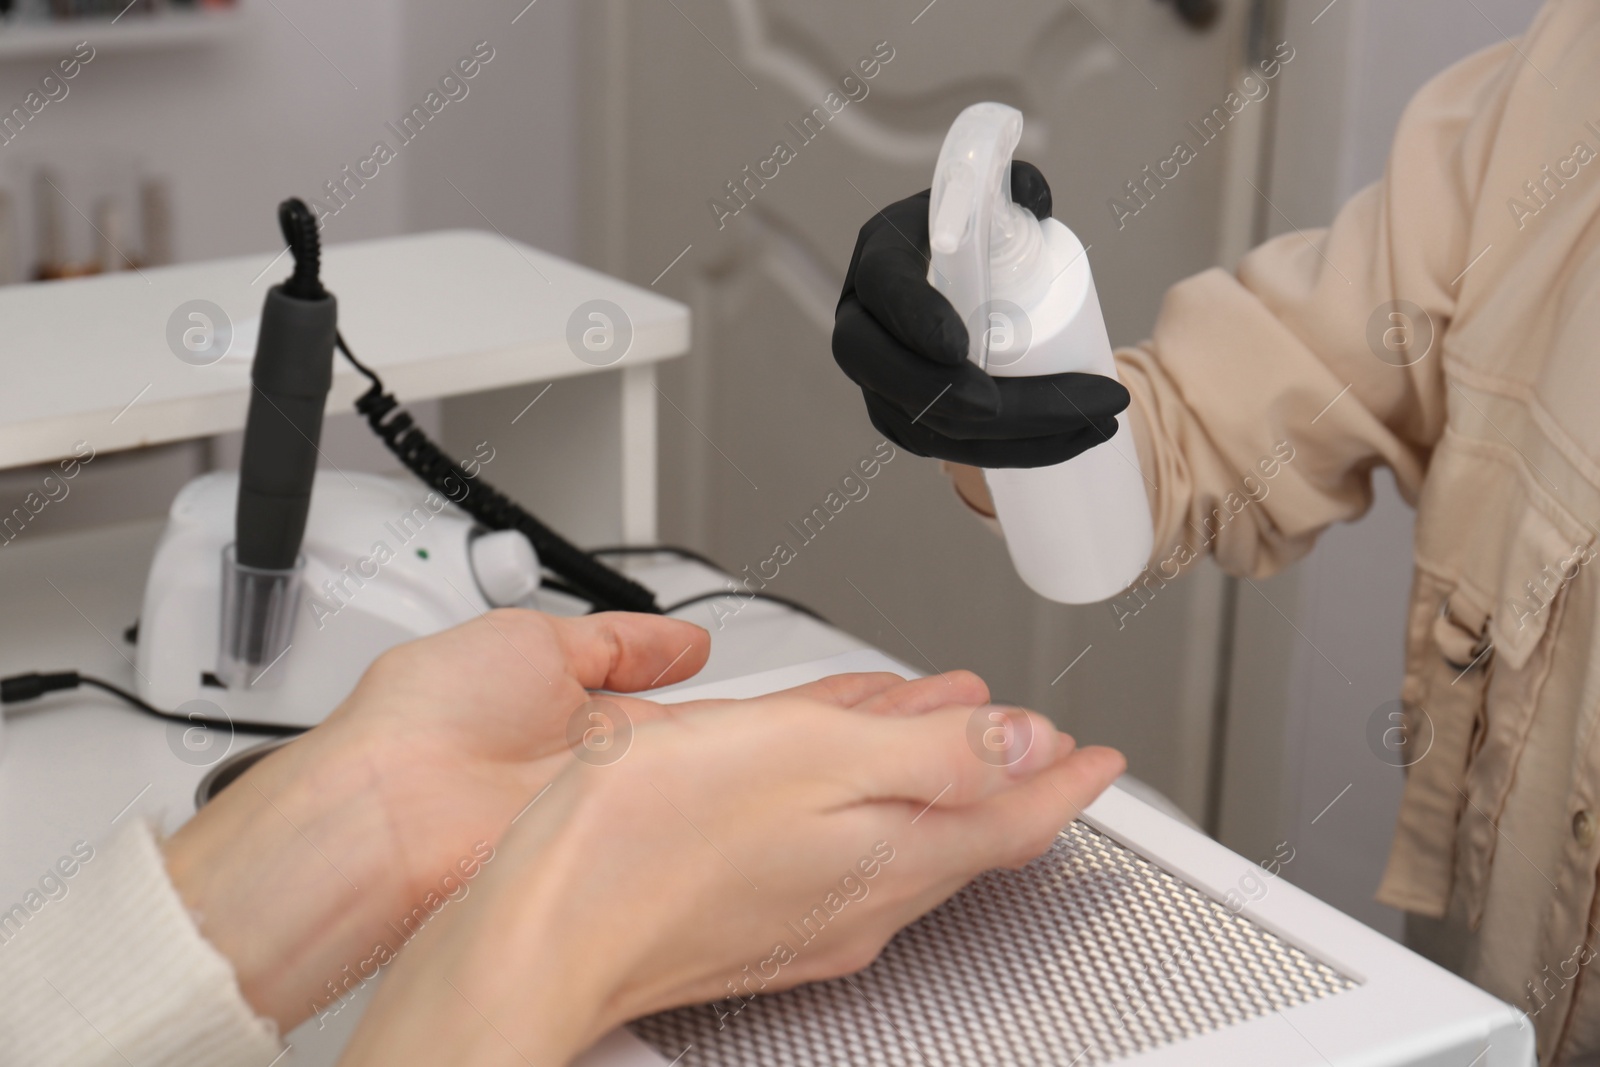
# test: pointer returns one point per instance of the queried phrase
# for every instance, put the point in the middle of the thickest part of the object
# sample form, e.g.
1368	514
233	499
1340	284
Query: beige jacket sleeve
1265	398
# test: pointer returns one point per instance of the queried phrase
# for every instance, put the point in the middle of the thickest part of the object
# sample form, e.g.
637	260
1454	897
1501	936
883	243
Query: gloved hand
899	339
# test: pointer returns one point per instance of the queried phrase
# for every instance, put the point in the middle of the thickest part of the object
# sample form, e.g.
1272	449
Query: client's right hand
658	880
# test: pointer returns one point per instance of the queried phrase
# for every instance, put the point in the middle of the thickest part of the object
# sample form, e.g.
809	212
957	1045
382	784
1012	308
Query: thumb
956	756
628	652
1029	189
1011	829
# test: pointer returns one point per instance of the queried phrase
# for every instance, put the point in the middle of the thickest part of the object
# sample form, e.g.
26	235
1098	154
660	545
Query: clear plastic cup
258	613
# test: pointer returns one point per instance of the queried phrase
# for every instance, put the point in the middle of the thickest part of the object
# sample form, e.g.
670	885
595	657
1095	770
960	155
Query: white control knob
506	567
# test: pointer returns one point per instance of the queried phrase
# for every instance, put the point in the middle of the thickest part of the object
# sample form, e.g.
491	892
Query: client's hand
350	838
732	851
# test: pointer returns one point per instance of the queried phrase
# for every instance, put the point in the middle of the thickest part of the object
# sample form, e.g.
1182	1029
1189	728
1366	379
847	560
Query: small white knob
506	567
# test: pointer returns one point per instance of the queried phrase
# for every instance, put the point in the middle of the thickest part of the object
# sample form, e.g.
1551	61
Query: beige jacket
1446	326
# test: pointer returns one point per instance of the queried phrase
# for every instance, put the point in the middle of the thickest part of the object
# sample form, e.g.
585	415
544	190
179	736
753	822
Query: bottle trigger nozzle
970	201
955	213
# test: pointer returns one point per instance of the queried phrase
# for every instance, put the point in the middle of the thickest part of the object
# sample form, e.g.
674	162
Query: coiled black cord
299	228
605	588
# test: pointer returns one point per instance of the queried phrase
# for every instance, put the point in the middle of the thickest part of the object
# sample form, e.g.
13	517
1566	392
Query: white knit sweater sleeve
115	972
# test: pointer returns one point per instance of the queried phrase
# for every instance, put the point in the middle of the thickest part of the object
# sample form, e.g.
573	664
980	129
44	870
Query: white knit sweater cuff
105	967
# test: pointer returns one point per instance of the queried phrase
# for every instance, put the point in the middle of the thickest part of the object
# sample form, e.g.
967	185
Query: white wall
514	150
511	164
234	125
295	92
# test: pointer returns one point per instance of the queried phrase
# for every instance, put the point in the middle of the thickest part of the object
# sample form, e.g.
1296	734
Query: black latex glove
899	339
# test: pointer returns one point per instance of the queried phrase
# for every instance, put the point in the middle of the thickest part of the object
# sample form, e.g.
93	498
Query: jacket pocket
1527	573
1494	555
1442	705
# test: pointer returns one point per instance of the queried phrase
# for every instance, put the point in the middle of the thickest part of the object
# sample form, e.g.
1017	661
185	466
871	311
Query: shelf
136	33
437	314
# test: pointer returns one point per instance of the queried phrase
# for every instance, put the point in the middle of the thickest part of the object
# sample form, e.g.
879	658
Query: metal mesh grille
1090	954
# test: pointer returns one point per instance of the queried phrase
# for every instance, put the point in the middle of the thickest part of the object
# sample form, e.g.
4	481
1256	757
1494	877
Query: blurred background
627	134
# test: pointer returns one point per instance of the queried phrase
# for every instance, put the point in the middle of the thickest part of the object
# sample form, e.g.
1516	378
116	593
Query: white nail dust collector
1134	941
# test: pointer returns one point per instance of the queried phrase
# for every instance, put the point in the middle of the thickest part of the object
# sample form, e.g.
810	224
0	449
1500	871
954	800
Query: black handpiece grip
292	372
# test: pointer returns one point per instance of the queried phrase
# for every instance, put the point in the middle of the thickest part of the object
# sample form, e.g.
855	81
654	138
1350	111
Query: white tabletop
435	314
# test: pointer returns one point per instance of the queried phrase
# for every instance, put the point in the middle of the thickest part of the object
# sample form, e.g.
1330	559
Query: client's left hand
316	856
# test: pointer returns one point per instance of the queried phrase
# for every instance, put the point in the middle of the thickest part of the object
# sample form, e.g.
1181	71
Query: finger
877	361
872	692
949	756
1055	403
1082	778
923	695
1040	808
1029	189
845	690
837	690
1037	406
1018	825
628	652
892	284
637	710
1044	451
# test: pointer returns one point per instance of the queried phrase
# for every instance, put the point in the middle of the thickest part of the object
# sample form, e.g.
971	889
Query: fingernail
1031	744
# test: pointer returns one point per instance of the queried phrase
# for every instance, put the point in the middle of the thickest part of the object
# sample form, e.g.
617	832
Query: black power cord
579	573
703	559
659	550
721	594
299	228
20	688
605	588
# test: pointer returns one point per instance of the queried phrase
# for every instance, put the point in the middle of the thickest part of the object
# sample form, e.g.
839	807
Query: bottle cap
984	247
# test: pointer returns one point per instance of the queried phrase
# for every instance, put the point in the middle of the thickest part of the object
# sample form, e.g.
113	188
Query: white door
736	146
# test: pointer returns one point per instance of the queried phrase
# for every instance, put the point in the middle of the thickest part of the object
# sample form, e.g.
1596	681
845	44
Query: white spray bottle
1079	532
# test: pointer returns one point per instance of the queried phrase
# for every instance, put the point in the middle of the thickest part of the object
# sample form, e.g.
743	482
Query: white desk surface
436	314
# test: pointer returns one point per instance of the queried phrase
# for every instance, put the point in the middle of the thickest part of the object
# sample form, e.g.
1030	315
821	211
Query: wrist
971	488
259	870
576	907
524	971
551	908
